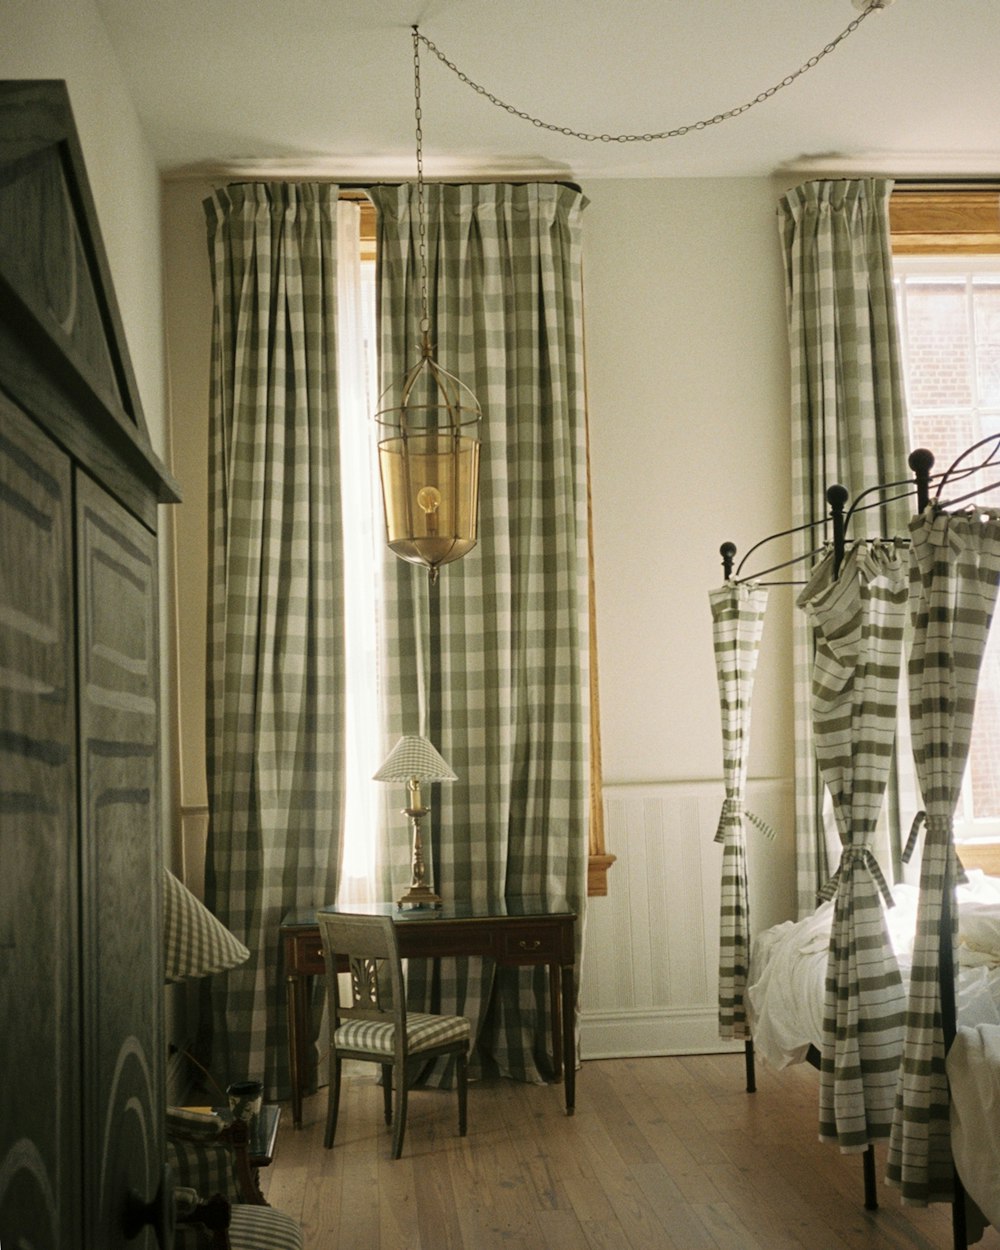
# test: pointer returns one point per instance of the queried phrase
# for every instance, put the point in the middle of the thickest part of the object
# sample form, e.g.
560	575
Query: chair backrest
368	944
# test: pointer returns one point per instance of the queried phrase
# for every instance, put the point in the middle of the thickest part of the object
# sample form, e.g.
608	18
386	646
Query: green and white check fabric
955	566
505	631
737	625
195	944
848	416
275	650
423	1032
858	620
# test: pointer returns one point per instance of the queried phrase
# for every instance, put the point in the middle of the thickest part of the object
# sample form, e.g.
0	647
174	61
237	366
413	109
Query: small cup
245	1098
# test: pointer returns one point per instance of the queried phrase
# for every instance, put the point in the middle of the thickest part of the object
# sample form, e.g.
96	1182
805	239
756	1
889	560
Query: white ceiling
324	88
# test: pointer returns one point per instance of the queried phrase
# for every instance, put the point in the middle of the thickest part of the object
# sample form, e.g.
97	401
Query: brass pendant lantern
428	449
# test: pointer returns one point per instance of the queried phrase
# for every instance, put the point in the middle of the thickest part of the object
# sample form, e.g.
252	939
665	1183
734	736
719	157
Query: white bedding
974	1076
788	968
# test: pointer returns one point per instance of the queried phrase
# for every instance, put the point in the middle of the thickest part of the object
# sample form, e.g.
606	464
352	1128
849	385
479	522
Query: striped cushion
263	1228
422	1033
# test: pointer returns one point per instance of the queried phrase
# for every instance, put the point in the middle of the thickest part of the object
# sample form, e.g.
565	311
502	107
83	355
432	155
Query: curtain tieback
942	824
857	856
911	841
733	812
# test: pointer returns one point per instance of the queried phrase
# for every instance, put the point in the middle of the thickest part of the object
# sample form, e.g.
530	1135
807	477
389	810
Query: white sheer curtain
362	518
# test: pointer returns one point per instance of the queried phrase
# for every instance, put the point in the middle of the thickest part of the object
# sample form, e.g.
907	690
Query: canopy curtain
848	417
737	625
857	617
955	568
505	631
275	646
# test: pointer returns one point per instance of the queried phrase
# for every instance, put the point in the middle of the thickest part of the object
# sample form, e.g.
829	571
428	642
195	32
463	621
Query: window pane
938	361
986	304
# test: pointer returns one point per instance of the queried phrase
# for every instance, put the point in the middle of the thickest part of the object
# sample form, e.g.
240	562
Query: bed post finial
921	461
836	497
728	553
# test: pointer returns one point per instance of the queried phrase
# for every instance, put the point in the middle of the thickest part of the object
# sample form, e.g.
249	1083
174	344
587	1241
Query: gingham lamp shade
413	756
195	943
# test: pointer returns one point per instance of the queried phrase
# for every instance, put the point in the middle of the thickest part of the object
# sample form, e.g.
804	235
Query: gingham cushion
263	1228
206	1167
422	1033
195	943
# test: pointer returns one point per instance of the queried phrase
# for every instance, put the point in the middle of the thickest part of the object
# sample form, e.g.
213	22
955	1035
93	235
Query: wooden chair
375	1025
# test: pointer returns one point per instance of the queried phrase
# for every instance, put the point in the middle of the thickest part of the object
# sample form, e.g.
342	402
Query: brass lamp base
419	896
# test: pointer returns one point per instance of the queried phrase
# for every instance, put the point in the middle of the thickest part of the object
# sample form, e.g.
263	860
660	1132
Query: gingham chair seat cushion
263	1228
423	1032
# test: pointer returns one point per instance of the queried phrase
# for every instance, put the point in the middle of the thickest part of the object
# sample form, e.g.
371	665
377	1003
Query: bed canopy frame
928	489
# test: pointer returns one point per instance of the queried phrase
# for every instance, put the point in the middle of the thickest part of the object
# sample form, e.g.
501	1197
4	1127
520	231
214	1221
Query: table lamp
195	943
414	760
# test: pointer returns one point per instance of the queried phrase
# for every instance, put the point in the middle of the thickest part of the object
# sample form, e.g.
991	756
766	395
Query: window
362	513
948	300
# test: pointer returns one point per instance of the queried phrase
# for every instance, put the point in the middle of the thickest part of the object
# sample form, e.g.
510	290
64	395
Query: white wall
690	448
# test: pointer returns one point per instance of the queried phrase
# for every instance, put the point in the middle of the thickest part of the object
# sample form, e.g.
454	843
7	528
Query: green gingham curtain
504	634
857	620
275	645
848	415
954	574
737	625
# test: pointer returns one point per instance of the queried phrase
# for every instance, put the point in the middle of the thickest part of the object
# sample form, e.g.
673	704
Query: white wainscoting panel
650	962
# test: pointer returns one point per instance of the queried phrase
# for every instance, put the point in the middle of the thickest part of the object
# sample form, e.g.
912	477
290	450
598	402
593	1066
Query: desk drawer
304	954
530	943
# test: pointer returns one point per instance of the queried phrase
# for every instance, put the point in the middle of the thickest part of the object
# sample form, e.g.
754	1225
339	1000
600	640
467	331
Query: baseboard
639	1034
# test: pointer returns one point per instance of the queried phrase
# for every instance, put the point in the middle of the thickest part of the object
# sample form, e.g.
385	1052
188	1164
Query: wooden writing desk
513	934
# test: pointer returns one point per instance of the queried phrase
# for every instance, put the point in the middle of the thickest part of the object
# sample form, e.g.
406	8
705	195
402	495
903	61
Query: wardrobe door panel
120	798
40	1163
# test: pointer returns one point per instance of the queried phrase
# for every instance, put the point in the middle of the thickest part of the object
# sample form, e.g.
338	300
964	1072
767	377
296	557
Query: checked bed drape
504	634
737	625
954	576
857	619
275	647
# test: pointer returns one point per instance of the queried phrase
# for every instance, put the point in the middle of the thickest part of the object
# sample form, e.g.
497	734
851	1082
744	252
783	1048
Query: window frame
950	220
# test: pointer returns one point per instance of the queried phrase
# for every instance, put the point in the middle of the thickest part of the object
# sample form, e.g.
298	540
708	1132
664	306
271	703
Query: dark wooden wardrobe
81	971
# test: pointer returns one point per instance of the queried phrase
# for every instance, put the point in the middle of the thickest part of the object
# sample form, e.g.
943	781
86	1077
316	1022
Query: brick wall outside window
950	333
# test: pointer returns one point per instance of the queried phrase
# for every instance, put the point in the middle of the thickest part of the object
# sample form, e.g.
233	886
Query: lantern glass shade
428	456
431	496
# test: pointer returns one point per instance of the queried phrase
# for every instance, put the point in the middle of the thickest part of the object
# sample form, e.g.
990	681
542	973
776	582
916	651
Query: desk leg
555	1011
295	1035
569	1037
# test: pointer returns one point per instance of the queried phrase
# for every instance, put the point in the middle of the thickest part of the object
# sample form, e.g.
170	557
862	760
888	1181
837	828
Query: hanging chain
647	138
425	322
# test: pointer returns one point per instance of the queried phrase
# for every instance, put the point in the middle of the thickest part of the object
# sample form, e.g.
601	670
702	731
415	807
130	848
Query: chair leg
400	1116
463	1090
332	1101
387	1091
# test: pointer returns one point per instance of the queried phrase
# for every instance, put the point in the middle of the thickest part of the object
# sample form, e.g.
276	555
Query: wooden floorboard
662	1154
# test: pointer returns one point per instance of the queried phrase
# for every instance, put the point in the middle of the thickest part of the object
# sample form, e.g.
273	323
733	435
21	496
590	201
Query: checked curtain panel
505	631
857	621
848	416
737	624
502	640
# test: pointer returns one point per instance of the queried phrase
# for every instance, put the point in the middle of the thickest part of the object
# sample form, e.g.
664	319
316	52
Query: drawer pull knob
530	946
